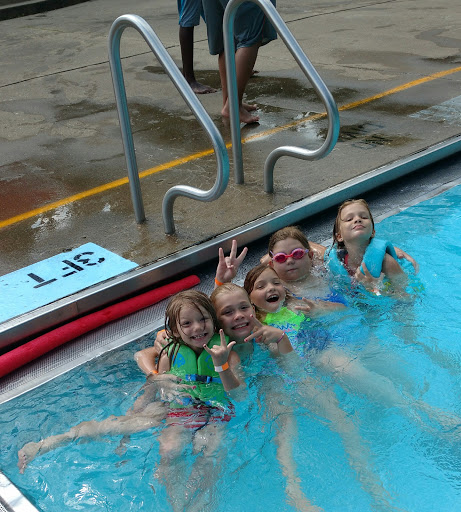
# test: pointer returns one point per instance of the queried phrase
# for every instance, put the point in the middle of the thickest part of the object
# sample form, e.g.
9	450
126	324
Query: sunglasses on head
296	254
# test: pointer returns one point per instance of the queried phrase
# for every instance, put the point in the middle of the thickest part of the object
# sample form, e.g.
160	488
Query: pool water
416	458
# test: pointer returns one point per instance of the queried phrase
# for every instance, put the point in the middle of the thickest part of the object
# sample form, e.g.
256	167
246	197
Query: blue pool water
416	457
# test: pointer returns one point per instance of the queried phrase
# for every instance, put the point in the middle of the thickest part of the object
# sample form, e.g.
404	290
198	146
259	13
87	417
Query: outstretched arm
228	265
315	308
267	334
402	255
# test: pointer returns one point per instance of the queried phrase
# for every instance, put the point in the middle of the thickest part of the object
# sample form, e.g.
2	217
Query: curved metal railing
311	74
222	178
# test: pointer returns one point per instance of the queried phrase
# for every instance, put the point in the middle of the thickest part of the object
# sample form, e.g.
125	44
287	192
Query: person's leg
285	437
114	425
245	59
320	399
186	41
207	468
172	469
189	17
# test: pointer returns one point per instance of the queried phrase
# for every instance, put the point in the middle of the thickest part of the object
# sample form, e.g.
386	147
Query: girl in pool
236	316
291	256
358	254
268	296
206	366
192	407
299	263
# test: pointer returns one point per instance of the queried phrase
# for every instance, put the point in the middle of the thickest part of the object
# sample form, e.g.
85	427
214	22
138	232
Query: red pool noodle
33	349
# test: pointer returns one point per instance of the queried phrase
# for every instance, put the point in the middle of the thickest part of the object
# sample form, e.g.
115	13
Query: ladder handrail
222	178
307	68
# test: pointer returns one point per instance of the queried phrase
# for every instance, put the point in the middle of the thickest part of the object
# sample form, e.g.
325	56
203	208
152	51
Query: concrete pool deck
394	69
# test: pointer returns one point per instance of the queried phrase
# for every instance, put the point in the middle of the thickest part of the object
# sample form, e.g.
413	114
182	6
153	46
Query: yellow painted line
201	154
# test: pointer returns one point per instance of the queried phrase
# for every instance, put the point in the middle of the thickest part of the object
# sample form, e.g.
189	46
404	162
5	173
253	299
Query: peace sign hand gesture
267	334
229	265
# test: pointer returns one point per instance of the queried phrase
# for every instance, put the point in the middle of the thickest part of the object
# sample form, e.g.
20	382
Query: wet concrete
60	136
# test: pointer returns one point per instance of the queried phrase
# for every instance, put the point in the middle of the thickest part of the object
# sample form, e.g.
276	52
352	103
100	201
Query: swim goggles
296	254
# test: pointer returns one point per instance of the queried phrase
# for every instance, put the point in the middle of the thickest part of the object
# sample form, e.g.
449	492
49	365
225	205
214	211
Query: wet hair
339	244
251	279
189	298
253	275
226	288
288	232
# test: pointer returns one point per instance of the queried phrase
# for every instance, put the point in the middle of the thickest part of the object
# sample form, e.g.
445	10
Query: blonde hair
226	288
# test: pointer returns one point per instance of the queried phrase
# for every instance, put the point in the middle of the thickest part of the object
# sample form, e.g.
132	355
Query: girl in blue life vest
356	253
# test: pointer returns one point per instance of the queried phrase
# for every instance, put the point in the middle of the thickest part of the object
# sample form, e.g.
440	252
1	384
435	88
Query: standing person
189	17
251	30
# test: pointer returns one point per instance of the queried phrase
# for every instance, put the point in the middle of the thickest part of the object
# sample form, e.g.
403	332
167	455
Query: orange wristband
222	368
218	283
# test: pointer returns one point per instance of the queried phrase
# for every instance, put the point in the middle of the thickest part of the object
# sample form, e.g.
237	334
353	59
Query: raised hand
228	266
161	341
220	353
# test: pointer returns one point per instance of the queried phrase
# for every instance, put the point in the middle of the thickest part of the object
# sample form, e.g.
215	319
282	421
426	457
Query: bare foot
245	116
250	108
254	72
199	88
27	454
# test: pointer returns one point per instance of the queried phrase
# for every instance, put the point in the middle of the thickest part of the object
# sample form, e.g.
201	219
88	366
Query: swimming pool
418	462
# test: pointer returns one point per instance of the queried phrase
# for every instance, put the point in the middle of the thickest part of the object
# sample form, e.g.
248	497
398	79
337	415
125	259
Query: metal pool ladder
311	74
222	178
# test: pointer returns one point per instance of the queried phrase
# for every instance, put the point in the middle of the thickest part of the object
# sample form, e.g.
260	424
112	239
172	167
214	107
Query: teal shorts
250	26
189	12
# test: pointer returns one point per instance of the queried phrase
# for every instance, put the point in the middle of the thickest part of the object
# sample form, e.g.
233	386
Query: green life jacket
205	383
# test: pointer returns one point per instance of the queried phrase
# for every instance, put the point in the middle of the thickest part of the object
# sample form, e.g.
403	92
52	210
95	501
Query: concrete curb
18	10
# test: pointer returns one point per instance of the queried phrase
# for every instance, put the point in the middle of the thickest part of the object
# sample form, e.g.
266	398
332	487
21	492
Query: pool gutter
11	498
95	297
